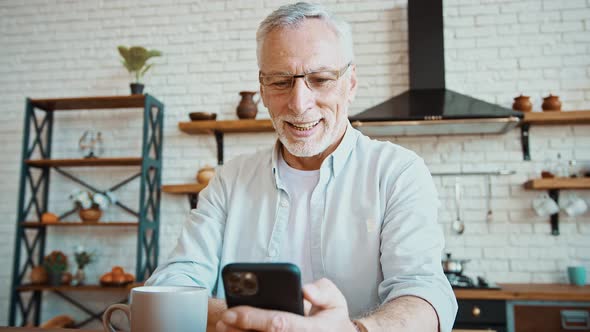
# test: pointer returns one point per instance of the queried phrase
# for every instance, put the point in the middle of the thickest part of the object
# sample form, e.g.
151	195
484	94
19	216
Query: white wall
494	50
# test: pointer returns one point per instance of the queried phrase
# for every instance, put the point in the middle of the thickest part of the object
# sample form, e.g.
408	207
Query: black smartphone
274	286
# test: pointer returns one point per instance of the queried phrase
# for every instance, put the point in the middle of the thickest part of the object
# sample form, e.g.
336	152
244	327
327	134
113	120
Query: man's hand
328	313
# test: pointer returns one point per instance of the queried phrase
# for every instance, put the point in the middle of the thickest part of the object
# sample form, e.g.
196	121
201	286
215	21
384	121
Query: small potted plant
90	205
135	60
55	264
82	258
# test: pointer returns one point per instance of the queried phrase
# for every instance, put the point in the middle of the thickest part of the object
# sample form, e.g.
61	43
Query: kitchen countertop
547	292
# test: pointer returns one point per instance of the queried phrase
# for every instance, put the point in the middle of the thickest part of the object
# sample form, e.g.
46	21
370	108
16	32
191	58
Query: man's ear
353	84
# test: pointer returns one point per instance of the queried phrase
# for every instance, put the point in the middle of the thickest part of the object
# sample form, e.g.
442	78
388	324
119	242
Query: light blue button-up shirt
374	229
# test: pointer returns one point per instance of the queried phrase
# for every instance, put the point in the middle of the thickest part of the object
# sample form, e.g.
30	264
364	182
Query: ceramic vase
79	277
248	108
39	275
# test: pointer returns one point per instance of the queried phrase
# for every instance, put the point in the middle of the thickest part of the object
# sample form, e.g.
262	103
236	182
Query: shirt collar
336	160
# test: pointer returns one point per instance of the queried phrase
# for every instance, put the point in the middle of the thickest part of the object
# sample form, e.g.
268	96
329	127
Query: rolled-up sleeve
195	259
412	243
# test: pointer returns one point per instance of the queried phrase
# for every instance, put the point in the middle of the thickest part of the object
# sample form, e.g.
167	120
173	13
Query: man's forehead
310	46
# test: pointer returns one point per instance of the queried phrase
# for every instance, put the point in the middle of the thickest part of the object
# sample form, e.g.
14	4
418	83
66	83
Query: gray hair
293	16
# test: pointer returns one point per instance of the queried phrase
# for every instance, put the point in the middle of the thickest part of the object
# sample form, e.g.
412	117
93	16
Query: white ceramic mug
545	206
163	308
574	205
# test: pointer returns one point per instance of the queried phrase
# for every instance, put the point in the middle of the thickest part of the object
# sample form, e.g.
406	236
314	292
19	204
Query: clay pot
39	275
54	278
551	103
522	103
66	278
248	108
136	88
90	215
205	174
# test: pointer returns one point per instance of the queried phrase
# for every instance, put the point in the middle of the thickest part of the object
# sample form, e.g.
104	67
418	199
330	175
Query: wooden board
33	224
189	188
548	292
127	161
88	103
557	118
226	126
558	183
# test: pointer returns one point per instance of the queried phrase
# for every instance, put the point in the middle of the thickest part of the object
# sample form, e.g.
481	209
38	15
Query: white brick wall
494	50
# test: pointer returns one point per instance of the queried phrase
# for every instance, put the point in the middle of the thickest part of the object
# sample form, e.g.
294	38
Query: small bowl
199	116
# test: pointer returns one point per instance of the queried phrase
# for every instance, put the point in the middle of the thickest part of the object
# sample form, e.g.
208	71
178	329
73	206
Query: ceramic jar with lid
551	103
522	103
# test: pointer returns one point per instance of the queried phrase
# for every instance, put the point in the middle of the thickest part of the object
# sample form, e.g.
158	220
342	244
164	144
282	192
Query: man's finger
221	327
324	294
306	307
250	318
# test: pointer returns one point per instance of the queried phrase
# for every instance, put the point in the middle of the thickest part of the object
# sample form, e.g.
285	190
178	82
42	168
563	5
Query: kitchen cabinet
524	308
481	315
552	316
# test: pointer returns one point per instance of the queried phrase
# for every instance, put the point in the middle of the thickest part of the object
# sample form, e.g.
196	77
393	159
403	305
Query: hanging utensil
489	214
458	225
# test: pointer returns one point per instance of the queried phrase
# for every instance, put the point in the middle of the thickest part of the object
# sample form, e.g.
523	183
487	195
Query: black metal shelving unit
36	166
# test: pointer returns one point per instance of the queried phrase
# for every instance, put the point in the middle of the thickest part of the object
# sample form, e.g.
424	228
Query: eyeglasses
317	81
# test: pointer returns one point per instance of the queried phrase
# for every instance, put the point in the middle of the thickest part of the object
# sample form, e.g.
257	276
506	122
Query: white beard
306	148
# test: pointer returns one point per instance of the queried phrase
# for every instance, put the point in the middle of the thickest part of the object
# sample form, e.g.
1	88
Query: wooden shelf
125	161
557	118
558	183
543	292
83	288
34	224
226	126
87	103
189	188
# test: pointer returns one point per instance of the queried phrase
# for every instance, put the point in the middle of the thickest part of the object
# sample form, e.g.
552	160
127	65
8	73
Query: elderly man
358	216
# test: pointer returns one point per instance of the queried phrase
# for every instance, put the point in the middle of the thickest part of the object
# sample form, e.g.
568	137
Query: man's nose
301	97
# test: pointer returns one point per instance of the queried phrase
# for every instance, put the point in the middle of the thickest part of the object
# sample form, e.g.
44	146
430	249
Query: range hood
428	108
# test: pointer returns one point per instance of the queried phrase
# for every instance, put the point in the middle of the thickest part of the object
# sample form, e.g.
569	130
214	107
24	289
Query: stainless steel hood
428	108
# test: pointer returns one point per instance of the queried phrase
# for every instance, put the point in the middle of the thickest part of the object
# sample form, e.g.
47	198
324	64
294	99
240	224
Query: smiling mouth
304	126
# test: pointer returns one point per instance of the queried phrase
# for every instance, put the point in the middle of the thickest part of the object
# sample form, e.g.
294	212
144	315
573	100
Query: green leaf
135	57
146	69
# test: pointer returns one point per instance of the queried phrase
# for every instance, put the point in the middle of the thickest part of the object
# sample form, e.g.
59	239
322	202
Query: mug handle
106	318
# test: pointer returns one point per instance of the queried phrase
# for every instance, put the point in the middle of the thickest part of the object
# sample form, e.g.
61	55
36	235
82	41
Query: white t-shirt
296	247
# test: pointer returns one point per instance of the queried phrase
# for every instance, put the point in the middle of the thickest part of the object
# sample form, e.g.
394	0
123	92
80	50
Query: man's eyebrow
288	73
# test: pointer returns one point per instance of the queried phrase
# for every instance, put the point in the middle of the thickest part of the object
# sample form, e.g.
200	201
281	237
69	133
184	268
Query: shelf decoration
82	258
553	187
55	264
36	164
90	205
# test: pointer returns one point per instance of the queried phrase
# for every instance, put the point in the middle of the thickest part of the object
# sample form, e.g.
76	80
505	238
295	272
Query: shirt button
284	203
273	252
